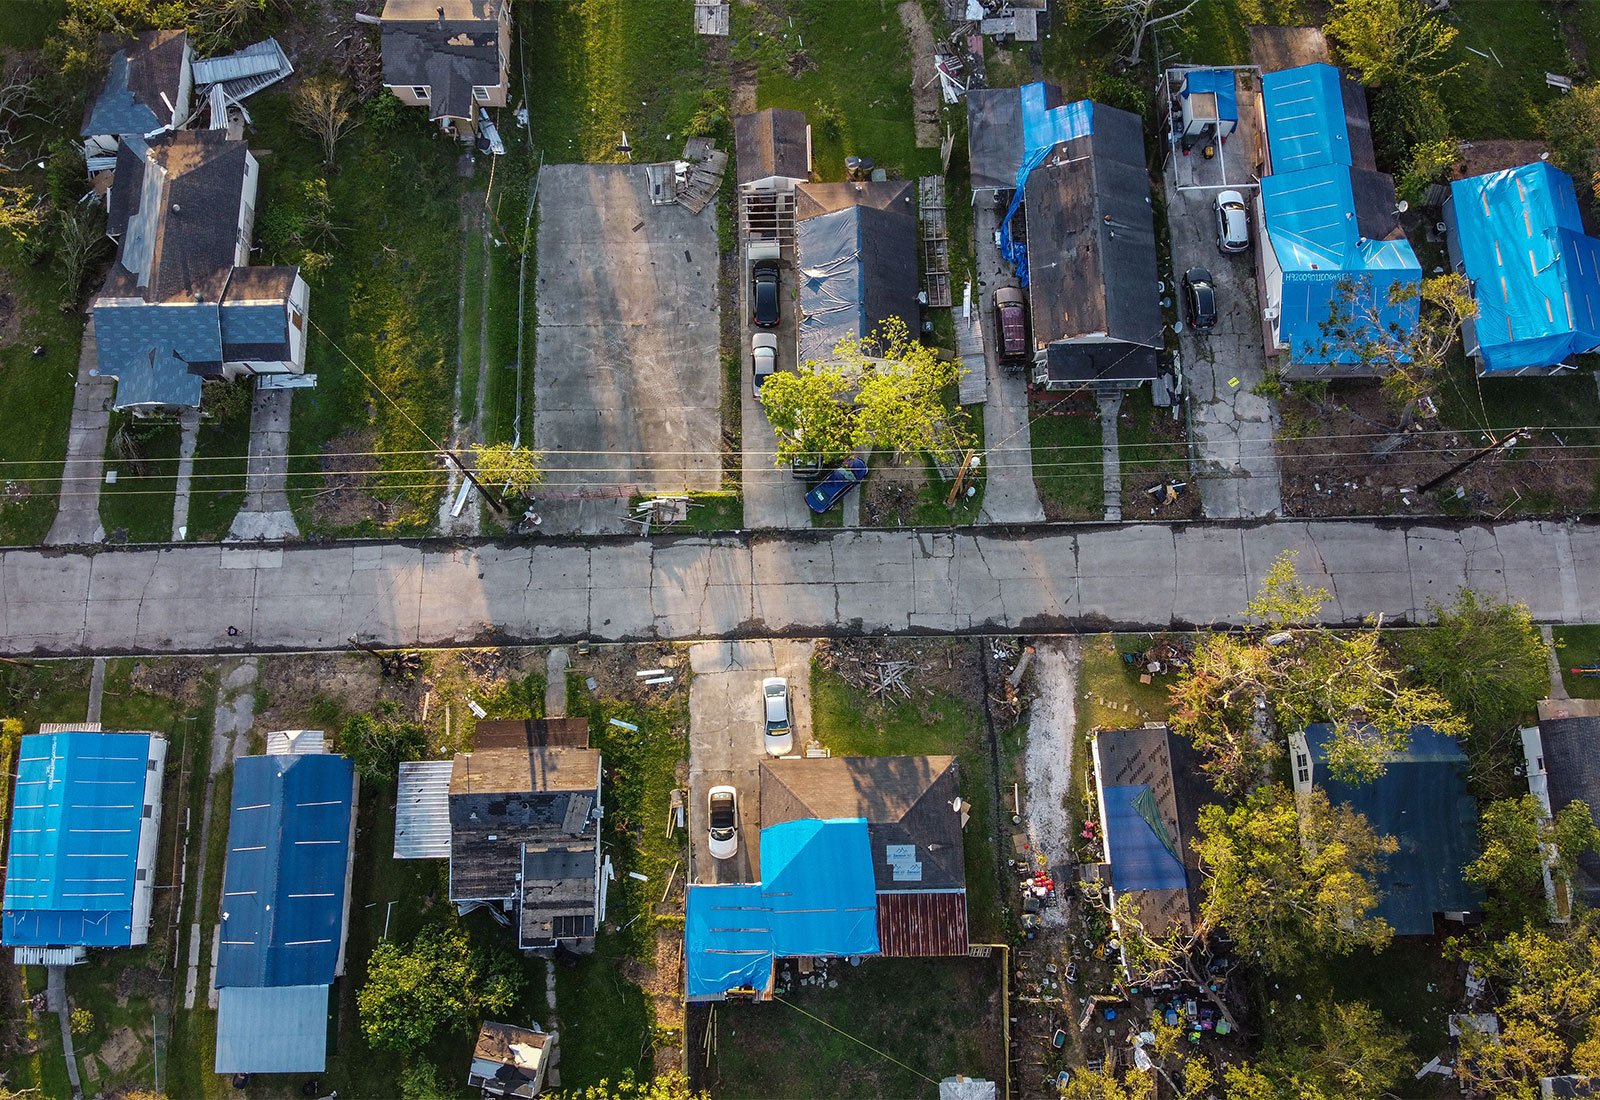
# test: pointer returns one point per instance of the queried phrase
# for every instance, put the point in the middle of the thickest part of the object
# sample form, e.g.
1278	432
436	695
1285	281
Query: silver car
775	703
1233	222
722	812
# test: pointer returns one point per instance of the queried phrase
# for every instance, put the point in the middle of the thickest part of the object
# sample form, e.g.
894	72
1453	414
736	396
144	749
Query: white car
775	703
1233	222
763	357
722	811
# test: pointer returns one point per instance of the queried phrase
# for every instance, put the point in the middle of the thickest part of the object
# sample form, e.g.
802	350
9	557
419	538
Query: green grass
29	22
719	511
471	322
1150	443
1578	647
605	1018
1407	982
217	488
1490	100
138	506
1217	32
1110	694
43	1068
1066	464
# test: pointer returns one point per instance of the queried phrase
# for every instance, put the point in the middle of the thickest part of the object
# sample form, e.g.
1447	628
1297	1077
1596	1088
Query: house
85	820
147	89
1567	1085
1331	221
858	856
512	1061
1074	175
773	148
285	906
1518	238
181	303
1148	791
1421	800
856	260
518	818
1563	766
450	56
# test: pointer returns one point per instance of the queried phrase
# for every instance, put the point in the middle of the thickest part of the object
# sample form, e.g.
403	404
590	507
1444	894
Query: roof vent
176	209
441	18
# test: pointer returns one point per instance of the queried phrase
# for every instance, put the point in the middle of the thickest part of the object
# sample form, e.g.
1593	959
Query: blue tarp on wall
75	825
1535	273
1141	851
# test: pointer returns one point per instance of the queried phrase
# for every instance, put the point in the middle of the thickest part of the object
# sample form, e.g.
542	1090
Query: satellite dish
1403	207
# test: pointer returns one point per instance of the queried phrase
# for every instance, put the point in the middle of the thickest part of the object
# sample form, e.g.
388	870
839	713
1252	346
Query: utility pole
494	501
969	462
1495	447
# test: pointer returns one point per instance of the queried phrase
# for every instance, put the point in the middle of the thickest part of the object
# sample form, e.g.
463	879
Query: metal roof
422	810
82	802
277	1029
244	73
283	894
922	922
296	742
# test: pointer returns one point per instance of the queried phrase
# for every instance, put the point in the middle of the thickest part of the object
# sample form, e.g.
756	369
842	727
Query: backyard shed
511	1061
1209	105
773	150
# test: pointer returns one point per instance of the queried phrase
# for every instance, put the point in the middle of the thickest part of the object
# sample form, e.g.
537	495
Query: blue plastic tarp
728	940
75	824
1140	849
1220	83
1305	118
1535	273
1043	128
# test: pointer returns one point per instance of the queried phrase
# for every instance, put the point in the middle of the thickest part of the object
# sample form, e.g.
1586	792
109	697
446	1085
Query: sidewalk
78	514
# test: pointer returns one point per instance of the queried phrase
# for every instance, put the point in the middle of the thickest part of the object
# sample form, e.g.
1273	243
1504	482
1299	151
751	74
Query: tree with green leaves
670	1085
376	743
1239	691
1429	162
1328	1050
1391	41
516	470
1571	125
1517	840
1488	659
1291	876
437	982
1107	1084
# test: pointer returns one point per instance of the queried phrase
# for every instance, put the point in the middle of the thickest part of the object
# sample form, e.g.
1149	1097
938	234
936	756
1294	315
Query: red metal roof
922	922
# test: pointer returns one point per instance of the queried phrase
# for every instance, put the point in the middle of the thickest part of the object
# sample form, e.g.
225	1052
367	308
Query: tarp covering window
1534	272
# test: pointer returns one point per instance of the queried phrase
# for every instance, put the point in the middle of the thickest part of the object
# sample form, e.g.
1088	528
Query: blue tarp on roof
1535	273
1218	82
75	827
1309	209
1142	854
288	851
1043	128
1421	800
816	897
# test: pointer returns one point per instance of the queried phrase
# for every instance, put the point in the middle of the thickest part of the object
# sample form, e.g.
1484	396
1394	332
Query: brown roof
495	733
771	143
260	284
812	199
523	769
914	924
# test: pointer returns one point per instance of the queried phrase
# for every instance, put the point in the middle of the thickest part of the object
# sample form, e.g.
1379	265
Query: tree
515	469
1238	691
1571	125
1378	331
1517	839
1322	1051
811	413
80	243
421	1081
1104	1084
1291	876
1136	18
670	1085
1488	659
324	106
376	743
1390	41
1429	162
438	982
22	211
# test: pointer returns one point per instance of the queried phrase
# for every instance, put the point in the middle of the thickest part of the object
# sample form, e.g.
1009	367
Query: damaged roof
451	46
770	143
142	86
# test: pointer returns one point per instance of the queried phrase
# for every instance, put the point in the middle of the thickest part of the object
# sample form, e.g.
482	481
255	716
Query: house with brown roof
450	56
773	150
148	86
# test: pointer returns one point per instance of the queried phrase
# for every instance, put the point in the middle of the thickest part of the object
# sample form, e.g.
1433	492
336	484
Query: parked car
764	294
722	812
1233	222
775	701
831	489
763	357
1011	323
1200	295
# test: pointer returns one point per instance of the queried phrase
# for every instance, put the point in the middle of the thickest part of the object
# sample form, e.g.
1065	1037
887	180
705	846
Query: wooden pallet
705	180
937	284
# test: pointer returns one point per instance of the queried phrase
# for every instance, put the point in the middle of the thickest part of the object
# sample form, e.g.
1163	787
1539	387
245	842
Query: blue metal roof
1421	800
1305	118
75	826
1142	853
817	896
1219	82
278	1030
288	854
1535	273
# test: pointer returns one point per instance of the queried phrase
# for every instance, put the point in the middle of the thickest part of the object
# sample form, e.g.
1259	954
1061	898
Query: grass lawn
138	506
217	489
472	322
1150	444
1066	464
1578	647
1217	32
1110	697
1408	982
1487	98
29	22
605	1017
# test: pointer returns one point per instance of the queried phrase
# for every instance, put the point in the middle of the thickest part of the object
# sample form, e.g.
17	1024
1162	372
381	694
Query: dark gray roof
771	143
130	100
1358	124
1375	203
994	134
452	55
558	884
1091	237
906	801
1572	767
126	184
255	317
1091	362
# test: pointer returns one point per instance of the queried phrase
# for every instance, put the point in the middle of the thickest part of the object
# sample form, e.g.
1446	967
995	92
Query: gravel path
1052	724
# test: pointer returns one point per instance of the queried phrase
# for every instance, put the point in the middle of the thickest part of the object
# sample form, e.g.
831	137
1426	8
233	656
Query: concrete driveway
628	380
725	740
773	499
1231	426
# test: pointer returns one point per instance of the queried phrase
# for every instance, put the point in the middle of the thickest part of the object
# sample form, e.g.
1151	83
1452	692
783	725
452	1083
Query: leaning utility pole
1495	447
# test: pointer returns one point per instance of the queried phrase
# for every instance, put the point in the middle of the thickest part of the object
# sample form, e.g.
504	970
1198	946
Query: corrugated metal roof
244	73
76	820
288	858
422	810
922	922
282	1029
296	742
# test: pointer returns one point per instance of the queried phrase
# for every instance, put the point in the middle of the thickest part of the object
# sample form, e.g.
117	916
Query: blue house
1518	237
86	816
285	908
1331	218
1421	800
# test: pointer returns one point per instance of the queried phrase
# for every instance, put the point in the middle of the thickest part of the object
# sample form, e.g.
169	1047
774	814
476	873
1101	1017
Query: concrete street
187	598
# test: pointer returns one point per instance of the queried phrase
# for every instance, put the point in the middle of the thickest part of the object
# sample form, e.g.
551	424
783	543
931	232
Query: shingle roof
994	134
1572	765
452	54
771	143
558	885
130	101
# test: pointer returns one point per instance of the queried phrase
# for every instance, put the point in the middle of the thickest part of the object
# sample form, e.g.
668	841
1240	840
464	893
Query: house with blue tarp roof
1517	235
285	910
85	818
1331	220
1421	800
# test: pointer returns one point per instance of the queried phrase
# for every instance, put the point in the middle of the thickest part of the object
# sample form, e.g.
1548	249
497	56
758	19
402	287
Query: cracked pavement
442	593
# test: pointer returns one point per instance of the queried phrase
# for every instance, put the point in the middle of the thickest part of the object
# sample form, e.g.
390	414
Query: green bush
82	1021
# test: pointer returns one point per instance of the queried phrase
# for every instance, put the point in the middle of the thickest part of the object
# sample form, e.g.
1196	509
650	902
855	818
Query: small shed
773	150
1209	103
511	1061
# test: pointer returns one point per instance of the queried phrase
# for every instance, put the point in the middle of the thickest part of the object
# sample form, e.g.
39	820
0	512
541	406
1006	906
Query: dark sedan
1200	294
831	489
764	294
